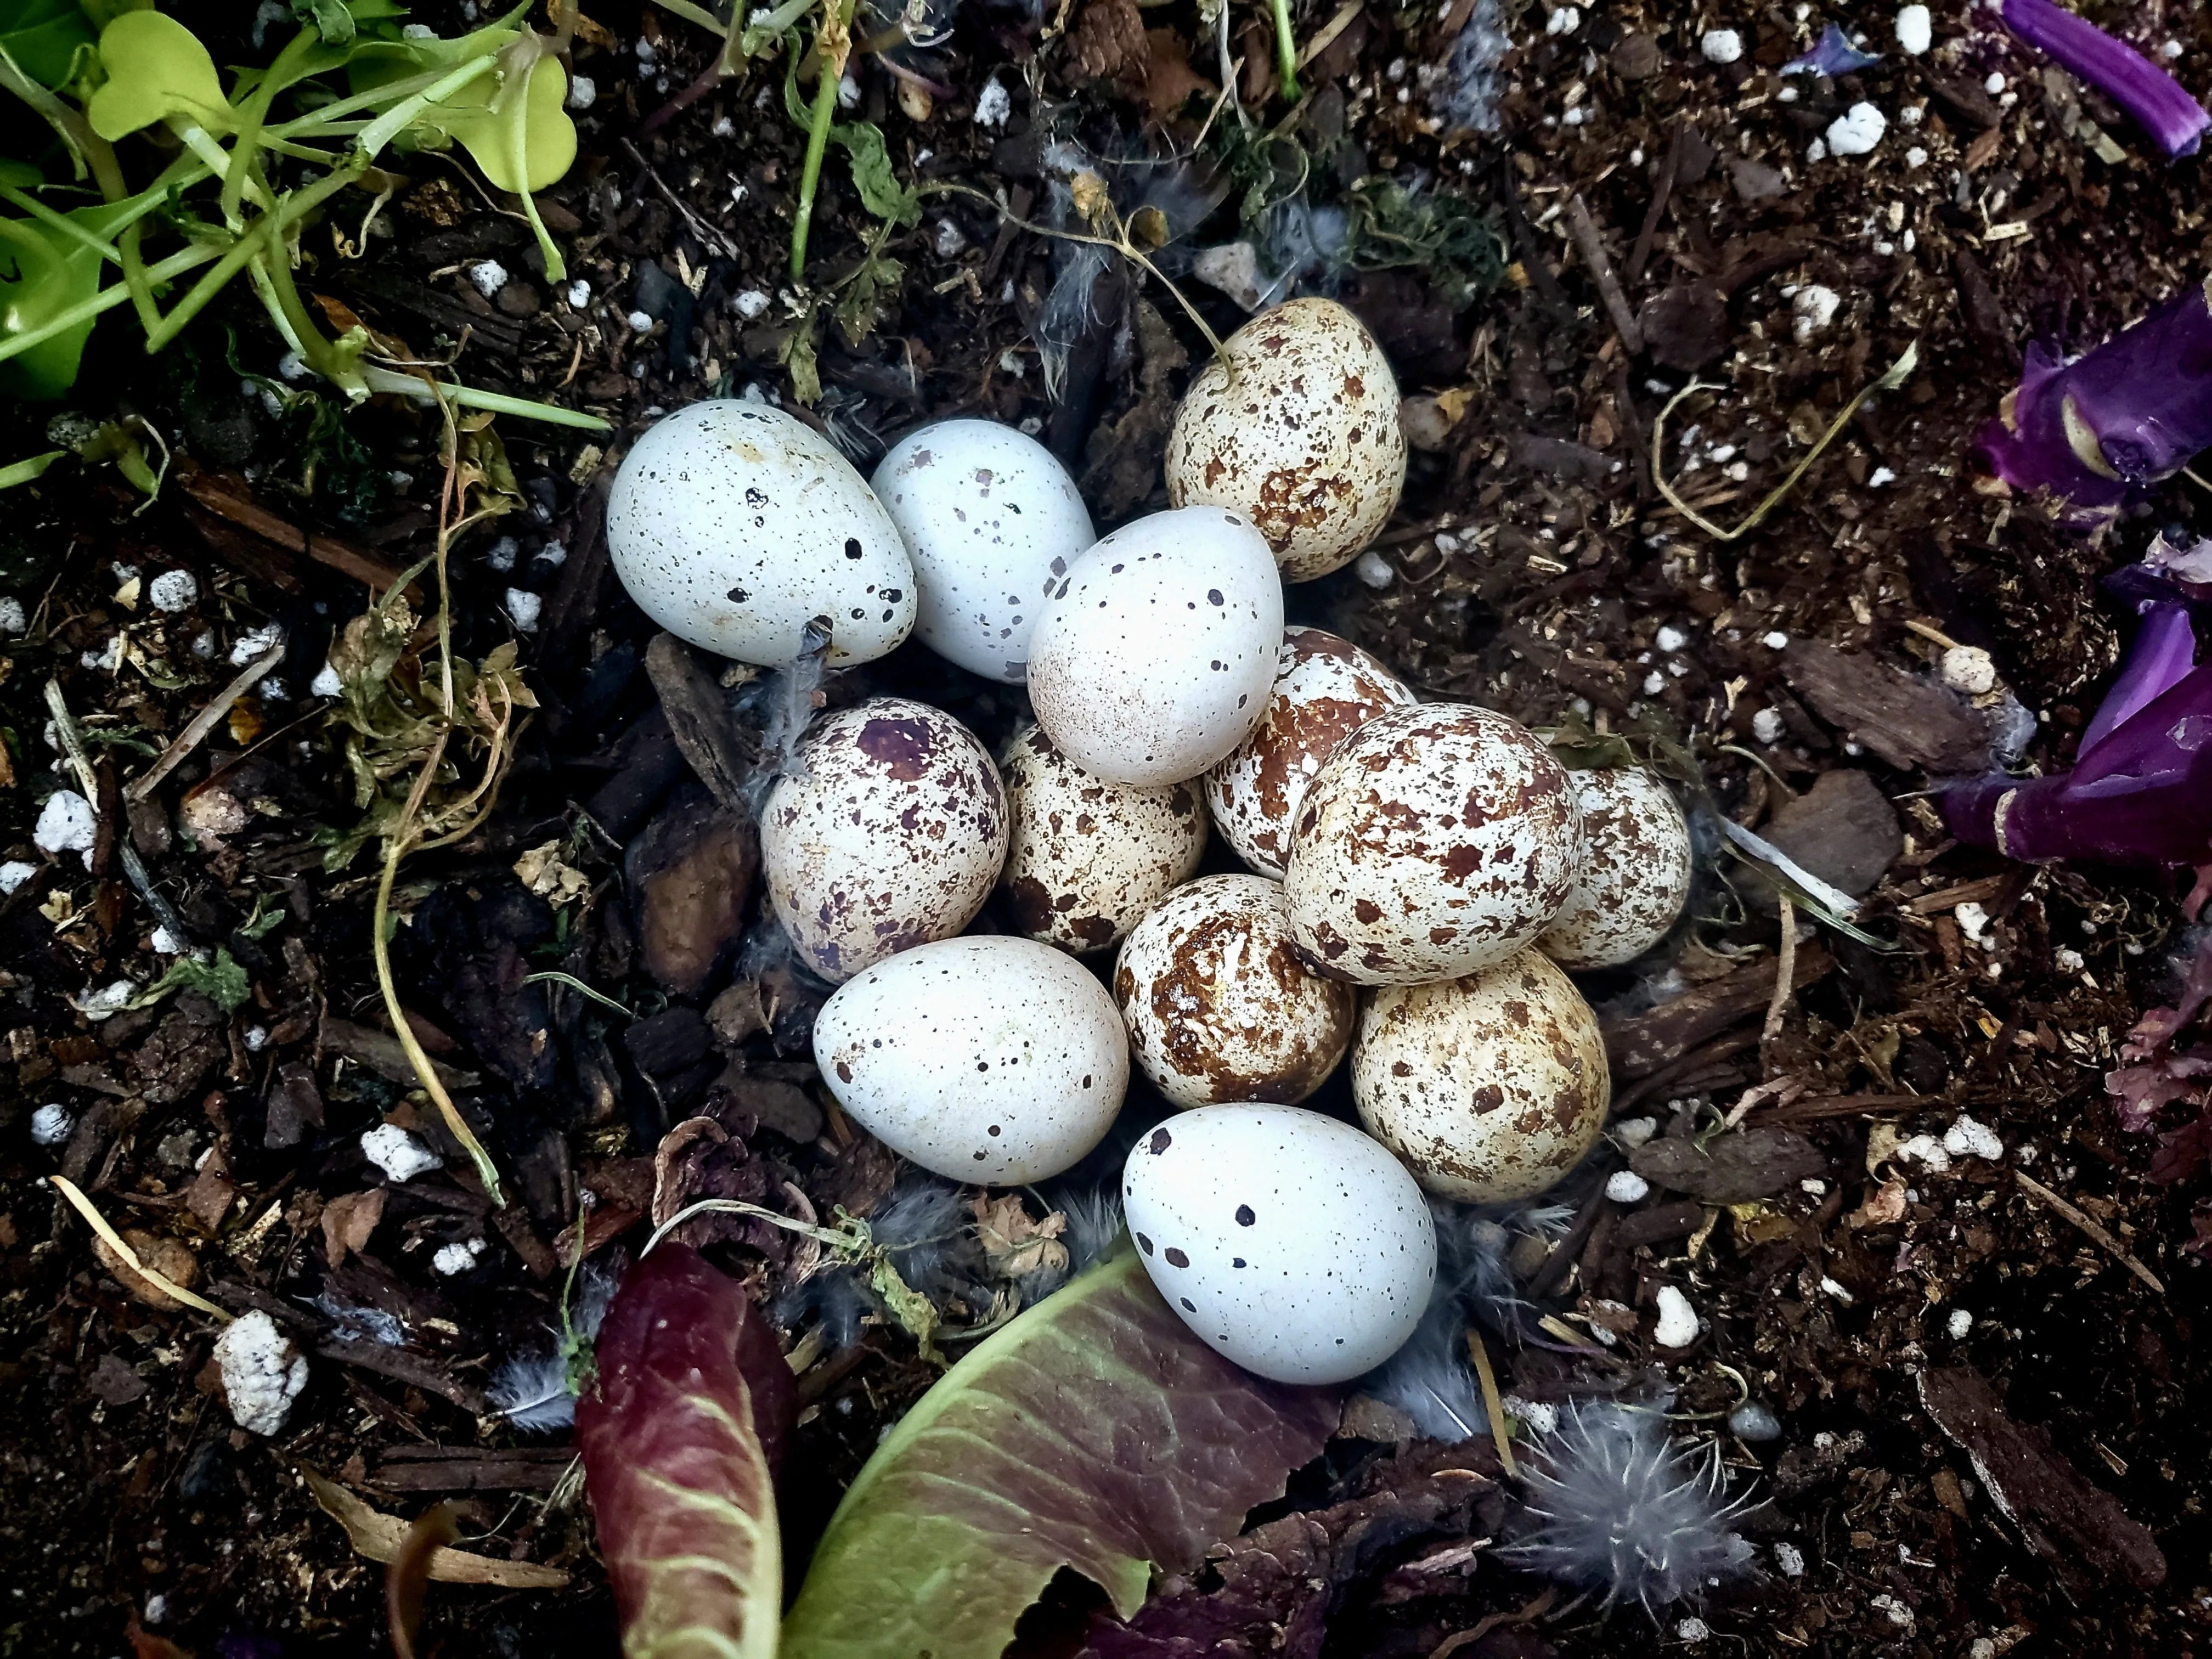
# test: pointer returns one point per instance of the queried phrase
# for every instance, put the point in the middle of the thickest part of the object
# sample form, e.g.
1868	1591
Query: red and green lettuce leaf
680	1434
1095	1432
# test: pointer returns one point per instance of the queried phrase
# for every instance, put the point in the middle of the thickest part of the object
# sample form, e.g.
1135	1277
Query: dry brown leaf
379	1537
169	1257
1170	80
1012	1243
348	1220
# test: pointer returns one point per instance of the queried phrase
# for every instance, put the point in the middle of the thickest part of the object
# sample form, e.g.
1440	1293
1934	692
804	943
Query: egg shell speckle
1289	1241
1304	439
1436	840
1635	870
1490	1087
1156	652
992	522
1219	1004
733	525
990	1059
889	835
1325	690
1087	858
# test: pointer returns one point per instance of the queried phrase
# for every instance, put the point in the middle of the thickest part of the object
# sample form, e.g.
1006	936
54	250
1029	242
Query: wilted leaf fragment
380	1537
1094	1432
679	1437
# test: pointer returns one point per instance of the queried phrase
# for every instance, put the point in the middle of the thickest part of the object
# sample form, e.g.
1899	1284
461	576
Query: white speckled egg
992	522
991	1058
1437	840
733	525
1155	653
1326	689
1302	439
1289	1241
1087	857
1635	870
1491	1087
1219	1005
891	835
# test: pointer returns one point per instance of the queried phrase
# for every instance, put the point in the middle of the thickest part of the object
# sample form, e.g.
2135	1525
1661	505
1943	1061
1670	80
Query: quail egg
1288	1242
1635	870
1219	1005
1325	690
1435	840
991	1058
1087	858
992	522
1298	431
889	834
1155	653
1490	1087
734	524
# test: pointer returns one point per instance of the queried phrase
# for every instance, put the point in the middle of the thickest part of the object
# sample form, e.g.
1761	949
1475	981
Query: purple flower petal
1831	55
2158	103
2128	414
2164	651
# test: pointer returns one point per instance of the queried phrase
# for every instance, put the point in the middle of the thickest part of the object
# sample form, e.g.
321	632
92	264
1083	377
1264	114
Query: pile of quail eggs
1419	874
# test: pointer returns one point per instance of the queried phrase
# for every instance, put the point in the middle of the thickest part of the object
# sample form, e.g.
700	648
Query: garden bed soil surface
2032	1321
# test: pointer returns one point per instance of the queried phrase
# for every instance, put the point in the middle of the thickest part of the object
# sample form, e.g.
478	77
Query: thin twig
2088	1225
1599	265
706	232
1785	972
1493	1403
196	731
1895	377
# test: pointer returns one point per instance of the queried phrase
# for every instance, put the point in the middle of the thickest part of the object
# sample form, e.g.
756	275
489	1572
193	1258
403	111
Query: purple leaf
1095	1432
1831	55
2129	413
2157	102
680	1436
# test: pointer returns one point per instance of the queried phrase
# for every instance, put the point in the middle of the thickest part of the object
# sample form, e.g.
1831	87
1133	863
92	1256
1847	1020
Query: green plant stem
1286	52
392	384
59	222
266	231
105	301
401	116
252	115
821	116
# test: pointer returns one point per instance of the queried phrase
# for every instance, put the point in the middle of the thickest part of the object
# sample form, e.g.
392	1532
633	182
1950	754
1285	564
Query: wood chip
2080	1528
1642	1045
1906	720
380	1537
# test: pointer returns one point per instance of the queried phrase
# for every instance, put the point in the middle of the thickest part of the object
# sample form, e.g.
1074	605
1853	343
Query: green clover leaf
156	68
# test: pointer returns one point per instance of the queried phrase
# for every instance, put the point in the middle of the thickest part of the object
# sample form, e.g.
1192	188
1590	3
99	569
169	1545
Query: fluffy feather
1626	1513
536	1391
837	1299
1429	1379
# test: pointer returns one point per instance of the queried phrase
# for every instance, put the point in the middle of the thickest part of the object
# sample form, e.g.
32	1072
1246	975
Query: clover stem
1286	51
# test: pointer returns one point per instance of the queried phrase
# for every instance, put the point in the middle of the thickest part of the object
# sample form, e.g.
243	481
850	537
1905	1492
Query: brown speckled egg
1490	1087
1437	840
1218	1005
1302	438
1326	689
1636	871
1087	858
889	835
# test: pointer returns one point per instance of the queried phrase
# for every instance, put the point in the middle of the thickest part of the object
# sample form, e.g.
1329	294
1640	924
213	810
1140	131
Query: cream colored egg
1087	858
889	834
992	522
1437	840
1156	652
1219	1004
1302	438
734	524
1325	690
1635	870
992	1058
1490	1087
1288	1242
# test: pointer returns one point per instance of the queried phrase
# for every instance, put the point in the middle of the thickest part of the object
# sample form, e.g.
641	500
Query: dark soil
1536	564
